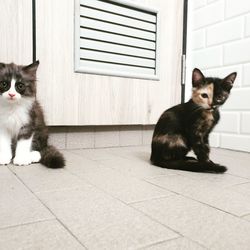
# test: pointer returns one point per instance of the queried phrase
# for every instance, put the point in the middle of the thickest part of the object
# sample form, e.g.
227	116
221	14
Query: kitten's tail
52	158
191	164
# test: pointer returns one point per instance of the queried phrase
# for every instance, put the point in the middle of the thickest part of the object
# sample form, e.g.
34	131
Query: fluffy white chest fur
14	115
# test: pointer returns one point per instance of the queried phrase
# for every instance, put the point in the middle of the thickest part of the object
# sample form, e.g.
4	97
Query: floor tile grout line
110	147
126	174
165	241
211	174
154	184
27	223
107	193
155	220
19	179
143	178
245	215
59	221
110	158
235	175
188	197
51	190
228	173
56	190
157	243
194	179
88	158
152	199
114	154
151	218
238	184
126	204
180	173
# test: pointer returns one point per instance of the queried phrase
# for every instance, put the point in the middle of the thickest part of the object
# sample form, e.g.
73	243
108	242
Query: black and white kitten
187	126
23	132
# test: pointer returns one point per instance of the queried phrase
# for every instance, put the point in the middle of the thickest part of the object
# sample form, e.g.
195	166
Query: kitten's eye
204	95
220	98
20	86
3	84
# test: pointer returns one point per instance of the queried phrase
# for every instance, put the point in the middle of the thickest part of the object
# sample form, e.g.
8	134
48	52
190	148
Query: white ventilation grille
116	38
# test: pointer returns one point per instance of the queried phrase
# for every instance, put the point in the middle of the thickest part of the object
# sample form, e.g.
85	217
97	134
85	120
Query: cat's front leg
5	148
207	146
201	149
23	154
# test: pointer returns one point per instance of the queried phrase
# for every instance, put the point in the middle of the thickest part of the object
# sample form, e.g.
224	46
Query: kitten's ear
197	78
31	68
228	81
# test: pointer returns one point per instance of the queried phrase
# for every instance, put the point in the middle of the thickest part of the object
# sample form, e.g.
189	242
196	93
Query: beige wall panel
16	31
71	98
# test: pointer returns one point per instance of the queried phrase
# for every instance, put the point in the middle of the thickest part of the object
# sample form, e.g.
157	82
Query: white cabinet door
71	98
16	31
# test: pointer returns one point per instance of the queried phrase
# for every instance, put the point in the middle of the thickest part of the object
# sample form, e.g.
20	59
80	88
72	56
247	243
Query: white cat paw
35	156
4	159
24	159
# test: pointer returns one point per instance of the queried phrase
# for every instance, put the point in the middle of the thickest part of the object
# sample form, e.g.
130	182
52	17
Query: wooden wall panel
16	31
71	98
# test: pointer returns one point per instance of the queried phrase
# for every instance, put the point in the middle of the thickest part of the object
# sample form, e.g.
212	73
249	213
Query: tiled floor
114	199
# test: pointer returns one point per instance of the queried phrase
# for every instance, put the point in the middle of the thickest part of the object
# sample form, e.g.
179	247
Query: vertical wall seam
184	50
34	30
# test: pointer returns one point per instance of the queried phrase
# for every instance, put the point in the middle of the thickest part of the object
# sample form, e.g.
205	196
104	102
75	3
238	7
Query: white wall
218	44
16	31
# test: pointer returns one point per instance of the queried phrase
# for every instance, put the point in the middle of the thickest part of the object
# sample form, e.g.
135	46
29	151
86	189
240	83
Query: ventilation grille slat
116	48
114	38
116	19
116	29
113	7
117	59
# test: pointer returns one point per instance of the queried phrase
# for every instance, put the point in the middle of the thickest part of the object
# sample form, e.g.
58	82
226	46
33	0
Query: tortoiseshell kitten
187	126
23	133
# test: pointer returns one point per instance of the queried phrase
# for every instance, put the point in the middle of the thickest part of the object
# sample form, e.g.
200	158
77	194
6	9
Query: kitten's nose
11	95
